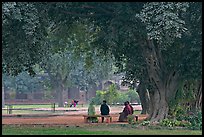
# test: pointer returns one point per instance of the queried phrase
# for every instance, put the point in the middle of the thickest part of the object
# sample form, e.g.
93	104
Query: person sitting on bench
104	109
126	111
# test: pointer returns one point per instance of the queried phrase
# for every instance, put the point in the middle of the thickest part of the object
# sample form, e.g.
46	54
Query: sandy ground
74	116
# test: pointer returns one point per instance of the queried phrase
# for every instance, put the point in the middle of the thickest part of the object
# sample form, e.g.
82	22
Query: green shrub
195	120
121	98
131	119
145	123
173	123
133	96
98	99
112	95
170	123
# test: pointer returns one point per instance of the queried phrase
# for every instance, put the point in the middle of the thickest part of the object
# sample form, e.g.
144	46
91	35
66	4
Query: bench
136	117
107	118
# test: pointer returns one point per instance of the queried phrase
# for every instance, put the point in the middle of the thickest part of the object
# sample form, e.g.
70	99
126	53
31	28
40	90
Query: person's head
125	103
128	102
104	101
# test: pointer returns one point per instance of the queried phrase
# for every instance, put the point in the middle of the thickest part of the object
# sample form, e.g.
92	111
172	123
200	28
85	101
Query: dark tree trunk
197	102
144	98
160	107
164	82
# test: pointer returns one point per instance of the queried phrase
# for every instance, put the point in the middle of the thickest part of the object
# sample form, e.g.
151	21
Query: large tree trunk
160	107
144	98
60	98
164	82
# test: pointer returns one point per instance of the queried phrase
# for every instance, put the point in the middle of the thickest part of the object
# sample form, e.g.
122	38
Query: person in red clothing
132	110
126	111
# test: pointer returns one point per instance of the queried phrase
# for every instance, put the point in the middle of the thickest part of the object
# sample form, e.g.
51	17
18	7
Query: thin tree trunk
3	98
197	103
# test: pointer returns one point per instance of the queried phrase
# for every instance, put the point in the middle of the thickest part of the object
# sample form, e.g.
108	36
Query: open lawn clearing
103	129
26	112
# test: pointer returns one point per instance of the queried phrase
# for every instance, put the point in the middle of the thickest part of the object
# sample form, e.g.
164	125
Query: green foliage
23	83
133	96
131	119
98	99
121	98
185	97
112	95
23	37
191	121
169	123
145	123
194	120
161	23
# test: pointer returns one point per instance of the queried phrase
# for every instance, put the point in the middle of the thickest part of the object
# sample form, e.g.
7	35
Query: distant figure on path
104	109
74	102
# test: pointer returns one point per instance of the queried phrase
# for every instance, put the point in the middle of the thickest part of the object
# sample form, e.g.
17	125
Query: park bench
136	117
107	118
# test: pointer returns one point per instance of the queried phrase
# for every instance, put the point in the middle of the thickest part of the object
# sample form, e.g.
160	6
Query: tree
69	65
22	83
155	43
23	32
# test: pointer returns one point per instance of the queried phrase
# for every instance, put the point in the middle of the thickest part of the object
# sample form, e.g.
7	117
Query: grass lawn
27	111
91	130
31	106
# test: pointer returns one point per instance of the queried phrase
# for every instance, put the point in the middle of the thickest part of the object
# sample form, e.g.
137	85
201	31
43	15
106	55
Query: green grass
24	106
27	112
32	106
90	130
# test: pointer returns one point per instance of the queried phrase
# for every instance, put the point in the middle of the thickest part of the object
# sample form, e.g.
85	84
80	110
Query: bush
98	99
111	96
173	123
131	119
145	123
133	96
169	123
195	120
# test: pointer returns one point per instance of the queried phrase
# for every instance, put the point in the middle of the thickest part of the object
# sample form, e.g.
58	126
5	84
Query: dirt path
67	118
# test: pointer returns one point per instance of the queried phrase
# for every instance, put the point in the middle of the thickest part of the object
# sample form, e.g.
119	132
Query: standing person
75	103
126	111
72	103
104	109
132	110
